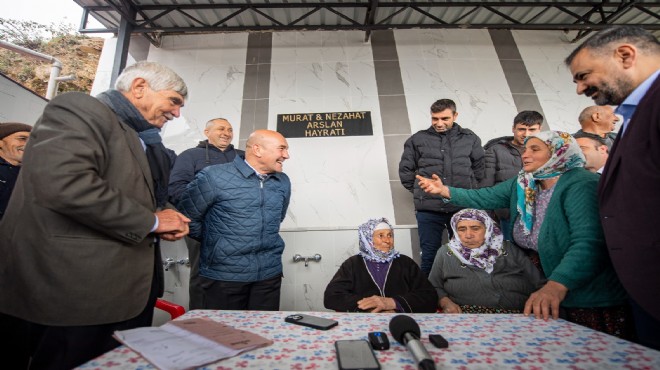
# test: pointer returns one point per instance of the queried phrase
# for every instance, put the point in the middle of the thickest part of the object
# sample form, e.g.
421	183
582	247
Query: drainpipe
55	70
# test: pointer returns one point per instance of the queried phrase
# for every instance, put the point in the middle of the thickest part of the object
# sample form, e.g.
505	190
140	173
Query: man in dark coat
620	65
217	149
13	137
449	151
79	240
503	157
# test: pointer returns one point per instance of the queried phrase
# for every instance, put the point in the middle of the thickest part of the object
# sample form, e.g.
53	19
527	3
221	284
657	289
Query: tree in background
79	54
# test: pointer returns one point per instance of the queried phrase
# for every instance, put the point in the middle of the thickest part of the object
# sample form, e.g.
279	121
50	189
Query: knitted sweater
513	279
571	242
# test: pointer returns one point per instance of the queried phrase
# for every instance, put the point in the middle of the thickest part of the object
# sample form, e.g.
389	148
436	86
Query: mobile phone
356	354
438	340
311	321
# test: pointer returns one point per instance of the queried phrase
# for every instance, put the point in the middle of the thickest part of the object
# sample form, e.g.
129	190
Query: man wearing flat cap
13	137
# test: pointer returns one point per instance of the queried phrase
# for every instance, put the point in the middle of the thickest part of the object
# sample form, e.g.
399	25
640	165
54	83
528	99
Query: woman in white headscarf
479	272
378	278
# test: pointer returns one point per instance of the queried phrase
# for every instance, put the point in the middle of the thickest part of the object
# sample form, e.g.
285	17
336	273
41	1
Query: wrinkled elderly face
220	133
609	119
158	107
600	77
471	233
443	121
383	240
13	146
536	154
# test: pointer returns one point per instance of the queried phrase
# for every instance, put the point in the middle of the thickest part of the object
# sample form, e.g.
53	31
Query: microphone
406	331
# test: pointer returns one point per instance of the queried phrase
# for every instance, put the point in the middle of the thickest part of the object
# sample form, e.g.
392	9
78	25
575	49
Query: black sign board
334	124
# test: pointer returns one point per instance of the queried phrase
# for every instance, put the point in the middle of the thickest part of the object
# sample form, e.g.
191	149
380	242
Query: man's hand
546	300
172	225
433	186
377	304
448	306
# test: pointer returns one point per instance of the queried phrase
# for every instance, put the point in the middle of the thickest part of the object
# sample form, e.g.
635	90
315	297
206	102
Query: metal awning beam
519	26
431	15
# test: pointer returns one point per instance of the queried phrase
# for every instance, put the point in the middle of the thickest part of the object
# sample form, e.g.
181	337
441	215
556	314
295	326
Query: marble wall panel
213	67
544	53
461	65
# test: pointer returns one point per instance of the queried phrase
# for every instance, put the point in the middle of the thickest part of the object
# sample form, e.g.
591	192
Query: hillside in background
79	55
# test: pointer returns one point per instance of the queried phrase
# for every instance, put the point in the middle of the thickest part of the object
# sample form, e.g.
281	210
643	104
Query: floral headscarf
366	240
484	256
566	155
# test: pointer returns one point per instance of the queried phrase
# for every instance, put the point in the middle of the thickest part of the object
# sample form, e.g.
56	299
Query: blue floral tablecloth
475	342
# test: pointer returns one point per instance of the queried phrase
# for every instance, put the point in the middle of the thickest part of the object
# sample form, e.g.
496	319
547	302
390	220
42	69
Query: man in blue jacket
217	149
236	209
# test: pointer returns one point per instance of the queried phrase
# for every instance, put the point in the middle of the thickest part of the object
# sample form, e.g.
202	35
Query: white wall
18	104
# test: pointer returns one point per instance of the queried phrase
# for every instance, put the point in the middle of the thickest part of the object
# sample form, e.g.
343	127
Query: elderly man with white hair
80	238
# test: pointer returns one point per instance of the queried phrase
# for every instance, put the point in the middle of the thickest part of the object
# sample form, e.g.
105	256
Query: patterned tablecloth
475	342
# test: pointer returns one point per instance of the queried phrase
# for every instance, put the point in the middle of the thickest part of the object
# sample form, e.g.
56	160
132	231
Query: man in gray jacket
449	151
503	157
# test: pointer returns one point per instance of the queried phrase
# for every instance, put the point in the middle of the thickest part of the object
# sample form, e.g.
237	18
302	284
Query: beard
611	94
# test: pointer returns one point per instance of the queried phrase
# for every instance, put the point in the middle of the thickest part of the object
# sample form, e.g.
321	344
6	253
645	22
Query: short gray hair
209	123
158	76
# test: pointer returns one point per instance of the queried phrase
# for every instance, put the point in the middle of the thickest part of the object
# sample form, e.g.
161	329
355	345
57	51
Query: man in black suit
620	65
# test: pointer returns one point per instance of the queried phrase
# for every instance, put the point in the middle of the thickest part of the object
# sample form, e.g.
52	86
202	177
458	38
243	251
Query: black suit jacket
629	196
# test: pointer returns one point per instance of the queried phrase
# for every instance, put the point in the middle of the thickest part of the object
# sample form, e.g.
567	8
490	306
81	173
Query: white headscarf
366	241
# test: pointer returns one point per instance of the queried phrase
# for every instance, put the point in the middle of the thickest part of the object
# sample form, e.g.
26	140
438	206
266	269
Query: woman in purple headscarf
479	272
378	278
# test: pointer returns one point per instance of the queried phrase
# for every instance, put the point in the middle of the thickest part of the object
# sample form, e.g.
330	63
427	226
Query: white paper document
188	344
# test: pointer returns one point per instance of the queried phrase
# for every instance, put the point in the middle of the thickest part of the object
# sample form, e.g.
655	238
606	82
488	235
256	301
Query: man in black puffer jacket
217	149
449	151
503	157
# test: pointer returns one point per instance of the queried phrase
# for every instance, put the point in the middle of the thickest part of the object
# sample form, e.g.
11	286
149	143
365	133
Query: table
475	342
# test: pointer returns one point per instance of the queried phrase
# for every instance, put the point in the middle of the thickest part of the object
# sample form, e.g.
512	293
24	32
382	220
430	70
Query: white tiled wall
544	56
339	183
461	65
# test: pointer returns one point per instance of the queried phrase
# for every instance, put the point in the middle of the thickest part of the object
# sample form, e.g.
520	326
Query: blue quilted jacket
237	217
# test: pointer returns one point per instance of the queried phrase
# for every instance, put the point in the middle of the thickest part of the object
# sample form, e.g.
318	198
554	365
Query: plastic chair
173	309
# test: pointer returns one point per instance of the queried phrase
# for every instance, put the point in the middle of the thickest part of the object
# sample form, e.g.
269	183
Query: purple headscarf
484	256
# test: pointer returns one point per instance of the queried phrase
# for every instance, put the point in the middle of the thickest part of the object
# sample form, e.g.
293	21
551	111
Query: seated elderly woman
479	272
554	210
378	278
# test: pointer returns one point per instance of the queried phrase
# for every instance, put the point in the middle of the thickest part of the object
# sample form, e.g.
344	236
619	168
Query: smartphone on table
356	354
311	321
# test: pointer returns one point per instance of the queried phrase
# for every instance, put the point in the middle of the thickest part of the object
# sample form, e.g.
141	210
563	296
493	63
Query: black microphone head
402	324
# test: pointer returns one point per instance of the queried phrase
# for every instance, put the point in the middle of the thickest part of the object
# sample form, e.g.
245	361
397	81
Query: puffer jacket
503	161
456	156
193	160
237	217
